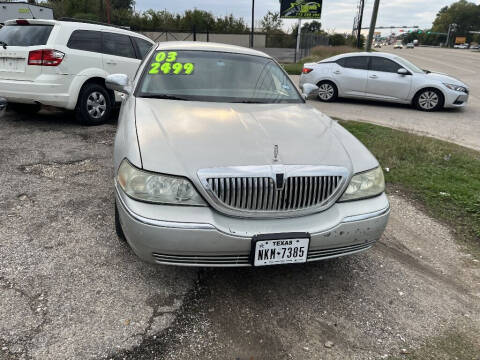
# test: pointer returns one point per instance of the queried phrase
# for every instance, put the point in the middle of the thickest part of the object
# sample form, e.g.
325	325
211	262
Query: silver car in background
220	162
384	77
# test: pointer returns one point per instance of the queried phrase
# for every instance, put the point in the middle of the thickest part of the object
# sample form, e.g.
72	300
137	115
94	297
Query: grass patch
318	53
444	177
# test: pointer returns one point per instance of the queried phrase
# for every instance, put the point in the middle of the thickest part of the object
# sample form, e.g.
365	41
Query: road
459	126
71	290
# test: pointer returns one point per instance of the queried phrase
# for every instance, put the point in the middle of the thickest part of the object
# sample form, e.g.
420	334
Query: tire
94	105
429	100
118	225
29	109
327	91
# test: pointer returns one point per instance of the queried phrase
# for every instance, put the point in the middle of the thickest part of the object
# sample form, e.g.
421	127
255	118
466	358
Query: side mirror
118	82
403	71
308	89
3	106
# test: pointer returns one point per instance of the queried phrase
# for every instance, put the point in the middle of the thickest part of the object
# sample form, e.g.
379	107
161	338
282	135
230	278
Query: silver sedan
384	77
219	161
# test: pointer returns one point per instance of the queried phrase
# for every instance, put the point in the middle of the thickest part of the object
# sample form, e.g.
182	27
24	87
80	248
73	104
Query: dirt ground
69	289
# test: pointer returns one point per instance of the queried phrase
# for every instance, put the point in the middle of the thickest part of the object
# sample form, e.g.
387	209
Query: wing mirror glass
403	71
308	89
3	106
118	82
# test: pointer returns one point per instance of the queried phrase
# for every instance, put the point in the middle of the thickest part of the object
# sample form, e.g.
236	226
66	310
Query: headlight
156	188
367	184
456	87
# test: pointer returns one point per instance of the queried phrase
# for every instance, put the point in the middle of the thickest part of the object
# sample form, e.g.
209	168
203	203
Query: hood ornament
275	153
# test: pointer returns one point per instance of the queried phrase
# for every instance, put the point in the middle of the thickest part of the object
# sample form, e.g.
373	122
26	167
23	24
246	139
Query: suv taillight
45	57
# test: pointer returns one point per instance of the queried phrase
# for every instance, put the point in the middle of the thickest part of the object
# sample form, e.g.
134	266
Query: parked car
385	77
219	161
377	45
398	45
410	46
65	63
461	46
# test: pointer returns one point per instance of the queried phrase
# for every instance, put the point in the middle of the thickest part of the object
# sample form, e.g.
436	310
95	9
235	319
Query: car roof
376	53
209	46
79	25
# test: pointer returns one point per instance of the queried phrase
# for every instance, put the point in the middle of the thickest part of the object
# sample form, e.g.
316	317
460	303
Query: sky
337	15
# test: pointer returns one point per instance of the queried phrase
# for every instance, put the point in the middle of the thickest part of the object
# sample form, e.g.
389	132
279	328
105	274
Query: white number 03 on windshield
165	63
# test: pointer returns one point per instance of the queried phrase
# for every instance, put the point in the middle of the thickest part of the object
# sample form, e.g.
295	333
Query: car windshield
25	35
407	64
216	77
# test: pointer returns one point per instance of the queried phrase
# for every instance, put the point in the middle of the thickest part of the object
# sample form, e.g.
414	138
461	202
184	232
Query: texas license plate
275	249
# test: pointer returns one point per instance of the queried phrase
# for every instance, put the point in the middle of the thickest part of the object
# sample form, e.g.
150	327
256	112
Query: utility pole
108	10
297	48
373	23
451	28
253	24
359	28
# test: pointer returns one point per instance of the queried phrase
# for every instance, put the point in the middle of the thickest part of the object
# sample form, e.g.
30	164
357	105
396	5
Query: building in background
23	10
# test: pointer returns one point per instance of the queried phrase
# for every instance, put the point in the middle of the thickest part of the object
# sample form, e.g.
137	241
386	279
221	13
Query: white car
65	64
398	45
385	77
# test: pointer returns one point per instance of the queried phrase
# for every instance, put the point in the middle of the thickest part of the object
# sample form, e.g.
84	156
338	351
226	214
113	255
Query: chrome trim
266	172
366	216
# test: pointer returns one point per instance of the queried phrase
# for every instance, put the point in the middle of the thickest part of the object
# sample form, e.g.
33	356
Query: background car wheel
94	105
118	226
429	100
30	109
327	91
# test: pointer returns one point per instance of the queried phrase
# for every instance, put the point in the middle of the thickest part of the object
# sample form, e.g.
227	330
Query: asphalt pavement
461	126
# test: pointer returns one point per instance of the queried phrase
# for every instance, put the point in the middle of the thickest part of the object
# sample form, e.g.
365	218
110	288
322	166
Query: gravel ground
71	290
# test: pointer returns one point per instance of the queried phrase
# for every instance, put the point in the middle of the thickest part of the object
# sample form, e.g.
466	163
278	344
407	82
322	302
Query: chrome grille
263	194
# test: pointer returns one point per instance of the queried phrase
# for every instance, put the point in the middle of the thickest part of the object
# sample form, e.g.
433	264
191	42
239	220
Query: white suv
65	63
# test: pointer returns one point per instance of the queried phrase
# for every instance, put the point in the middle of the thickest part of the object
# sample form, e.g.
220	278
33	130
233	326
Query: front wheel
94	105
429	100
327	91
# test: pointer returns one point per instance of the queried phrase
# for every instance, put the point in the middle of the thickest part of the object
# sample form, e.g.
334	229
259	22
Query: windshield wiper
248	102
164	96
4	44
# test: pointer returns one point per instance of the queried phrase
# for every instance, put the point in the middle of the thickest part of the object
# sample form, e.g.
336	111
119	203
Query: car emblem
279	181
275	153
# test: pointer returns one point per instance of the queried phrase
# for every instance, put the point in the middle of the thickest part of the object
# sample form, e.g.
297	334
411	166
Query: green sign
301	9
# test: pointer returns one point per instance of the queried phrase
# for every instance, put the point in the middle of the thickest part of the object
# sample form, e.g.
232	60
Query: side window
118	45
383	64
356	62
341	62
143	46
85	40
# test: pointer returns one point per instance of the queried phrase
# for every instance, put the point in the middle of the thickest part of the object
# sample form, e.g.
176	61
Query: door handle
373	76
111	63
337	72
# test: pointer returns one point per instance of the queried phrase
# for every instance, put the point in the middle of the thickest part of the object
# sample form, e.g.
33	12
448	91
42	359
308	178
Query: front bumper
455	99
200	236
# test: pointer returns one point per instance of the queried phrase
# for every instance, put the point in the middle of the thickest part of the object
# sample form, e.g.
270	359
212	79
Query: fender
416	89
78	81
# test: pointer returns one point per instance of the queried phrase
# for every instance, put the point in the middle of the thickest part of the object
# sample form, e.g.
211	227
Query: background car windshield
25	35
407	64
217	77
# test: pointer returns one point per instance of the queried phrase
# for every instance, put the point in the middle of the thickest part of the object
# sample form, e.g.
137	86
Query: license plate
12	64
276	249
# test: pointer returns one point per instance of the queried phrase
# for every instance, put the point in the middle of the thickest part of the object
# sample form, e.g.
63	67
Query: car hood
444	78
181	137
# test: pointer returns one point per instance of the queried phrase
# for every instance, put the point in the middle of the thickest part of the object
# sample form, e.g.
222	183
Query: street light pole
360	19
253	24
373	23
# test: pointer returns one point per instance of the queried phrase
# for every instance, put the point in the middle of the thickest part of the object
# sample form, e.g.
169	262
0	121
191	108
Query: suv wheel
94	105
429	100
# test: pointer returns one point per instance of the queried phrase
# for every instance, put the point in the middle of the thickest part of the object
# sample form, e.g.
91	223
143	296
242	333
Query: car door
384	82
119	56
350	73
